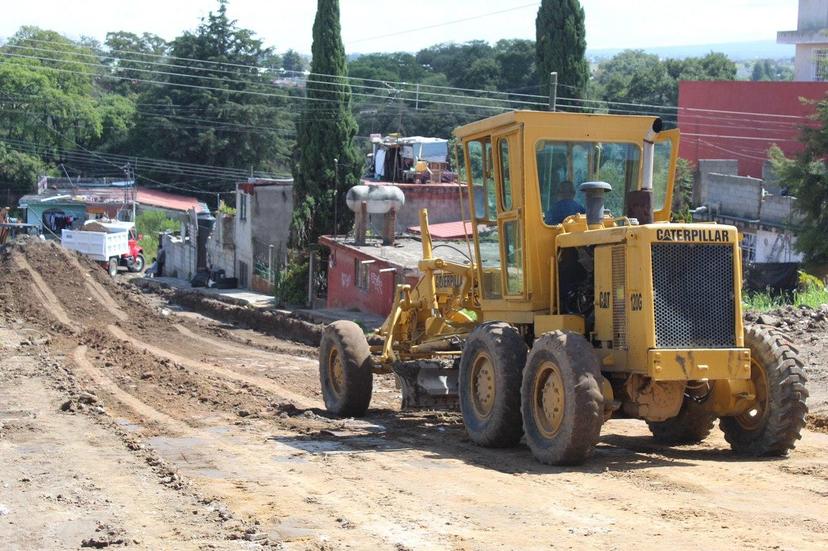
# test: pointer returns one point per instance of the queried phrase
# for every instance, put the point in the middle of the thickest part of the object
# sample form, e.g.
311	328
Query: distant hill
736	51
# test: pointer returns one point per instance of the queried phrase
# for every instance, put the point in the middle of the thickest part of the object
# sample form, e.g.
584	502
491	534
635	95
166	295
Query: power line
445	23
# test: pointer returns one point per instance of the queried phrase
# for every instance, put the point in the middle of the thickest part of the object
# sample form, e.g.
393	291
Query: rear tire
112	267
562	403
345	369
775	423
692	425
489	385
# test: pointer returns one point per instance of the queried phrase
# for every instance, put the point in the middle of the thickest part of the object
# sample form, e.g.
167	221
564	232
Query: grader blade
427	385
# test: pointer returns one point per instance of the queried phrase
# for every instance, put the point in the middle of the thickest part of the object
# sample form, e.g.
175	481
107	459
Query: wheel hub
336	372
549	399
483	386
754	417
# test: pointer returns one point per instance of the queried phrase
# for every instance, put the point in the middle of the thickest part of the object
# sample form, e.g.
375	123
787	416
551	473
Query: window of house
361	274
242	206
821	65
748	247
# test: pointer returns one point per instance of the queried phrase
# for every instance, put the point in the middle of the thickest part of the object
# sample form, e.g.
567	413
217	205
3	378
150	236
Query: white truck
110	244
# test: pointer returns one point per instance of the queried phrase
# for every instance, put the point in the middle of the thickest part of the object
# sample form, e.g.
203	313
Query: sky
377	26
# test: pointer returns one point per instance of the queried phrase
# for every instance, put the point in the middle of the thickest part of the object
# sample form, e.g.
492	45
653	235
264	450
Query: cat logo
685	234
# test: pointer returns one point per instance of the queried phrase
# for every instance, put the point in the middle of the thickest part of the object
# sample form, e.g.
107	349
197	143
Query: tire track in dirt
110	387
44	293
261	382
239	349
251	486
97	290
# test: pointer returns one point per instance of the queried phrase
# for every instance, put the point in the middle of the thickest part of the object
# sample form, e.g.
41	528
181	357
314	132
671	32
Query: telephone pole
553	91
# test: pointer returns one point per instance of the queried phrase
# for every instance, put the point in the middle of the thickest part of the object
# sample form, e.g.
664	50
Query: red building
743	119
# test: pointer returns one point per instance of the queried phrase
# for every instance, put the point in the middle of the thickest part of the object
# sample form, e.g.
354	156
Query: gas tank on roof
379	198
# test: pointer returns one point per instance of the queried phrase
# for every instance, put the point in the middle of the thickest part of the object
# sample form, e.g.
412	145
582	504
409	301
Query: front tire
562	403
489	385
138	264
345	369
773	425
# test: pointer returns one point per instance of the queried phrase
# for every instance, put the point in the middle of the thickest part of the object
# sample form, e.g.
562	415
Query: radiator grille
694	296
619	284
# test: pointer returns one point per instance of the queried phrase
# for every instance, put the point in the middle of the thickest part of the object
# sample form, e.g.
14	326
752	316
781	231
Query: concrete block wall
704	169
739	196
778	209
180	257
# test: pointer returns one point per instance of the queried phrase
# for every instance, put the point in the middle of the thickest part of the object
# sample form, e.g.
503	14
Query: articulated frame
427	320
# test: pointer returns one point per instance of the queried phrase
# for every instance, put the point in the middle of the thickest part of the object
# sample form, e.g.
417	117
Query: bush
150	223
291	283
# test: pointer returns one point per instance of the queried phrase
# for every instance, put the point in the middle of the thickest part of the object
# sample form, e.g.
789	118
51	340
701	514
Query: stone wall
739	196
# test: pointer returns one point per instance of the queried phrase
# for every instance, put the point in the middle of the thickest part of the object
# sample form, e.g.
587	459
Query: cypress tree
560	46
325	136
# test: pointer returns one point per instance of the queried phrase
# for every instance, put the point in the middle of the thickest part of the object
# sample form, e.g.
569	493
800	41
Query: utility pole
336	189
417	100
553	91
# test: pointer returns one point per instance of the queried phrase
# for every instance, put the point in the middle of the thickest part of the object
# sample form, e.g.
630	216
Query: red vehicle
134	260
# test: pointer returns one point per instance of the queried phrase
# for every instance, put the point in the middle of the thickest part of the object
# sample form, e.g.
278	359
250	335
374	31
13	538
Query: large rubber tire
112	267
692	425
345	369
489	384
138	264
562	403
775	424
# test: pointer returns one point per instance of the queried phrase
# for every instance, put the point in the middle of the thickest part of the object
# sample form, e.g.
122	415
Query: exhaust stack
640	202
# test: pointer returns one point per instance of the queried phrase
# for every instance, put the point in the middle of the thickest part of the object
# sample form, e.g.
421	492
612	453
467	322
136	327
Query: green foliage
634	76
769	69
130	57
291	286
807	179
292	61
149	224
18	171
224	208
561	46
809	282
221	115
326	132
683	187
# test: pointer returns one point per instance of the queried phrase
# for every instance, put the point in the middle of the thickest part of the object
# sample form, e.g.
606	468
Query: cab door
665	158
509	183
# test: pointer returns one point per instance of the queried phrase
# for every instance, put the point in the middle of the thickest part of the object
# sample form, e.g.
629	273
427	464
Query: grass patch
764	302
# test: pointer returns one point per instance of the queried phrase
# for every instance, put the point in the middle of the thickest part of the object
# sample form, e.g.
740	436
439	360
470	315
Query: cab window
505	174
564	166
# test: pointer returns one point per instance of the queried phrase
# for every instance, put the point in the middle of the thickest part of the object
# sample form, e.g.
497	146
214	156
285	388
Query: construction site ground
127	423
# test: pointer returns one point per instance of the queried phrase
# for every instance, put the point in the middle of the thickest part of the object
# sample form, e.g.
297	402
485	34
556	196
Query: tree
18	173
132	58
516	60
216	106
292	61
325	137
807	179
634	76
561	45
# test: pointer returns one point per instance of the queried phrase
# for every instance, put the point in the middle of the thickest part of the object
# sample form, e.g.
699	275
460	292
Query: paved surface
259	300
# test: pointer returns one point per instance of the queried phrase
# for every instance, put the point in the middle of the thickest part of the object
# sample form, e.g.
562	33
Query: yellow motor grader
581	301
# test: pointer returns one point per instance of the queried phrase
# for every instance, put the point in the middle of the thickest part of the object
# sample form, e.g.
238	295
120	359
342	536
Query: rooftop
406	251
170	201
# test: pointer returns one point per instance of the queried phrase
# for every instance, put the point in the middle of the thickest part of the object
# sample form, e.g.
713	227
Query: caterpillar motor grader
580	301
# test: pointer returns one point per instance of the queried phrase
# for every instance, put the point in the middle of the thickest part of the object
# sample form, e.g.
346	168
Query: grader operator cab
581	302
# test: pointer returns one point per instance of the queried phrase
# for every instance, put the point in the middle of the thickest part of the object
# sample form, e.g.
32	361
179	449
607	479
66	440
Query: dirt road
122	425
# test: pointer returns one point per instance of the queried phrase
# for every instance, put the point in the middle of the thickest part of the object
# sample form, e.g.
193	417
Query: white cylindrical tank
379	198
